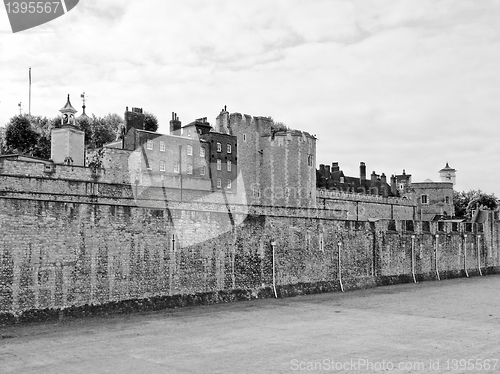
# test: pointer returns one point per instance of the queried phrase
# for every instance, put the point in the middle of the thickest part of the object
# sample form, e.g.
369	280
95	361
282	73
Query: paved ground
408	328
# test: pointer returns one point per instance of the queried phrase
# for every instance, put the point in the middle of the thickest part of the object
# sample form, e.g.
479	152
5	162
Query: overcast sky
396	84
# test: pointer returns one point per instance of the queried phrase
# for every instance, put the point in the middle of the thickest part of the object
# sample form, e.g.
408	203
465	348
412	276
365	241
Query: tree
102	132
150	122
20	137
466	202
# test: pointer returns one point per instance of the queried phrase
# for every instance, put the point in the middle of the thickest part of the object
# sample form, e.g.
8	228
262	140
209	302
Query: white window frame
177	168
162	165
228	148
219	183
189	150
426	202
190	168
202	170
149	144
219	147
228	165
202	152
219	164
229	184
162	146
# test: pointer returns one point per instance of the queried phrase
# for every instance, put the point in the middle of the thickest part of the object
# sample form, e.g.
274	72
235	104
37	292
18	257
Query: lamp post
436	257
465	256
273	245
413	258
339	245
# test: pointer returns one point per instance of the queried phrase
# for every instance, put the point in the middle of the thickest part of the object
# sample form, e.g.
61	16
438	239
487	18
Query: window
189	132
219	183
244	137
310	160
229	148
202	170
229	183
321	243
219	147
447	199
202	152
190	169
149	144
424	199
189	150
228	165
176	168
162	146
162	165
341	179
255	191
219	164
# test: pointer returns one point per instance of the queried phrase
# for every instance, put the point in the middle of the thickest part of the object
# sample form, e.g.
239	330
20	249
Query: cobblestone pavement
412	328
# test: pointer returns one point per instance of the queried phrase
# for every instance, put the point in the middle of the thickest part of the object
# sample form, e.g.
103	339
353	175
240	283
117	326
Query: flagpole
30	94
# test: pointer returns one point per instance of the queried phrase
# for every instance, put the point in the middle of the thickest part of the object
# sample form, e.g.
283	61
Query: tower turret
67	142
448	174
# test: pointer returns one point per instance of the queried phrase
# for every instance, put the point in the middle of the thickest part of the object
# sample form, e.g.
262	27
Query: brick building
191	162
334	179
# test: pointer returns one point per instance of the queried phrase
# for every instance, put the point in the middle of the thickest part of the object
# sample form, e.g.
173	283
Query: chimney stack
322	170
335	167
362	171
175	125
394	189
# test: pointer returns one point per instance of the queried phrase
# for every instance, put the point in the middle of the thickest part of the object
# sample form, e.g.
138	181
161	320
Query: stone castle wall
362	207
70	247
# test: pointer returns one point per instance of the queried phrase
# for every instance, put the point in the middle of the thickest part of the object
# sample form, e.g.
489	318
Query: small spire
84	106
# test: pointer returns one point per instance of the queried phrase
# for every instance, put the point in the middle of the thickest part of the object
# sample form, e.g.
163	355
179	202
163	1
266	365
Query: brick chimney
175	125
394	188
222	122
322	170
362	171
134	118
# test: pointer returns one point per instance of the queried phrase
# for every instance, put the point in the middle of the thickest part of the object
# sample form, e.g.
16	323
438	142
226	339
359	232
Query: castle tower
448	174
67	143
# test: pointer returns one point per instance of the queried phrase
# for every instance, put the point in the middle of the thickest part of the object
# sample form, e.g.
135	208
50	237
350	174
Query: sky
399	84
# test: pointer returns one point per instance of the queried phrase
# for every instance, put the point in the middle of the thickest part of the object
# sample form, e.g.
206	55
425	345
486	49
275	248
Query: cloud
397	84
